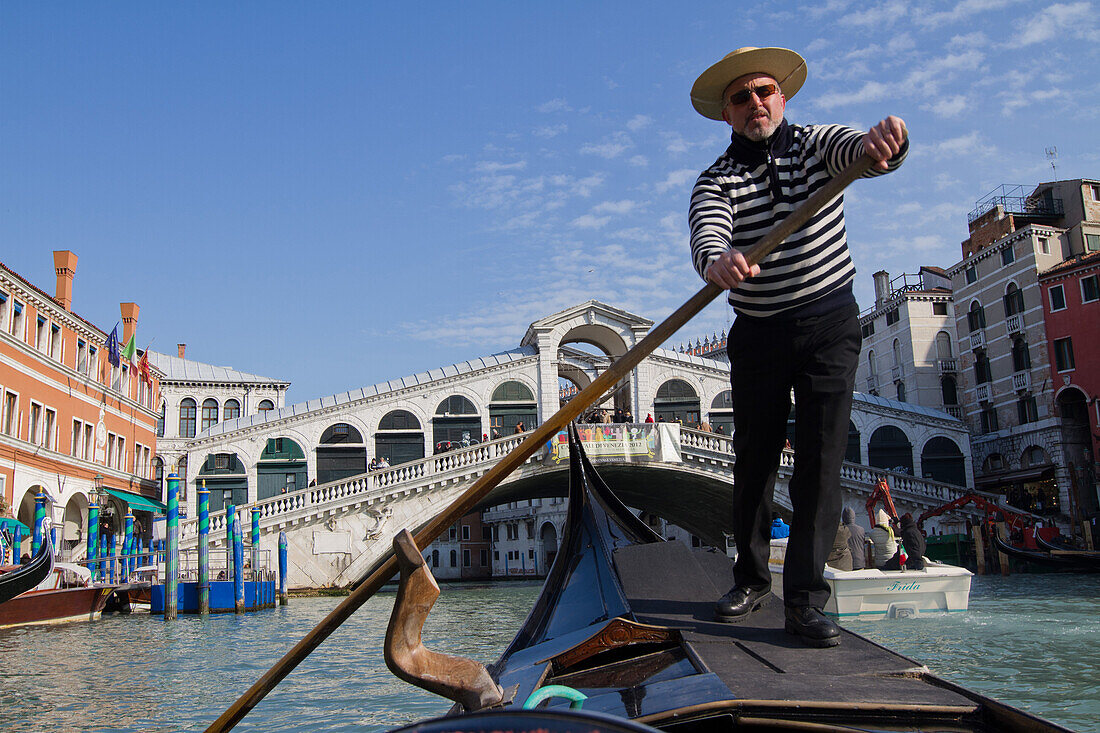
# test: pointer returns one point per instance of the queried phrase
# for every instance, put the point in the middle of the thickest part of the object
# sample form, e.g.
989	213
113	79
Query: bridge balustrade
704	450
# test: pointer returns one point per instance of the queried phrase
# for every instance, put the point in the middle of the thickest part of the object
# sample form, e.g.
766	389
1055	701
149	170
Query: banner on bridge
619	442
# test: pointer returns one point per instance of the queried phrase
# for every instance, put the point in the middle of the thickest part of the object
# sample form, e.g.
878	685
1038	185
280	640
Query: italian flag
129	350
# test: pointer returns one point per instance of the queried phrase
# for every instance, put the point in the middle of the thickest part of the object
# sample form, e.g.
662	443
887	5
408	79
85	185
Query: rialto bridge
304	466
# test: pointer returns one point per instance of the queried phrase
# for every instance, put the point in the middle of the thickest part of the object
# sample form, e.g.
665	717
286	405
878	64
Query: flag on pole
129	350
112	347
143	368
902	555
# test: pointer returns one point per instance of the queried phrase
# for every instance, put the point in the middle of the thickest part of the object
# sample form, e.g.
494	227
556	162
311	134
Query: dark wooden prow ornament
457	678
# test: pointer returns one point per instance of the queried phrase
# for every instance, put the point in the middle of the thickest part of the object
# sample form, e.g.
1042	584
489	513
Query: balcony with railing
948	366
984	392
896	372
977	339
955	411
1021	381
1015	323
872	383
1014	199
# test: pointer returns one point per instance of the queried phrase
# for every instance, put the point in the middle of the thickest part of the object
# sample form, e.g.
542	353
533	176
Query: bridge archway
399	438
226	479
456	419
282	466
890	448
676	400
548	539
721	413
942	460
512	402
341	453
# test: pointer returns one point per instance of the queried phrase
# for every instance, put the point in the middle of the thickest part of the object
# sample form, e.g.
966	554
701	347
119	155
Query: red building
1071	309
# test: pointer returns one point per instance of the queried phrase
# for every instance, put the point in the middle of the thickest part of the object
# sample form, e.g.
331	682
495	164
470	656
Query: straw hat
783	65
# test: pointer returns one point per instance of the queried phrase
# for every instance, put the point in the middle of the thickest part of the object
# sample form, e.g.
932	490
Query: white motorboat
872	593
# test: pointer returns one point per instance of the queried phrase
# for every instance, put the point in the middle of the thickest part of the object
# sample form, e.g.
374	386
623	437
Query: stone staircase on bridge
337	531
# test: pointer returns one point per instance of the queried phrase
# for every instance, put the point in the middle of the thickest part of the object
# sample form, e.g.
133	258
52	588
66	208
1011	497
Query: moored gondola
20	579
1070	561
623	628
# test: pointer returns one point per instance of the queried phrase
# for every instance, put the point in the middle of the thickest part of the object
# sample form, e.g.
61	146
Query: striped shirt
752	187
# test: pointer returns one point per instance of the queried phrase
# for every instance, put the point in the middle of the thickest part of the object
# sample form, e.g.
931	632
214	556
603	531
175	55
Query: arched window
976	317
340	454
871	362
853	454
1013	300
232	410
949	390
399	438
1021	357
676	400
982	371
160	419
265	406
341	433
941	460
897	352
943	345
889	448
721	413
901	390
188	411
454	559
209	413
456	421
512	403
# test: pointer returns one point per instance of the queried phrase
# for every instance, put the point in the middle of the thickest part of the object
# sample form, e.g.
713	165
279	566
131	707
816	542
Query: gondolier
797	319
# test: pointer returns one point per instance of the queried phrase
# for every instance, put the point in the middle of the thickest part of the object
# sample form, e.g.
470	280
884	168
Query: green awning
137	501
10	524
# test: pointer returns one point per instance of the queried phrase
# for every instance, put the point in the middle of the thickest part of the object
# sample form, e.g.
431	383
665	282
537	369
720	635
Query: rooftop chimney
64	264
882	287
129	320
182	348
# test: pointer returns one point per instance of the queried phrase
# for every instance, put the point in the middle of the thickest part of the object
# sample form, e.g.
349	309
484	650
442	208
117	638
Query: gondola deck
670	585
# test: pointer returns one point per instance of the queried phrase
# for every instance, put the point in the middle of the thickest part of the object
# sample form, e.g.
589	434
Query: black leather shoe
739	603
815	628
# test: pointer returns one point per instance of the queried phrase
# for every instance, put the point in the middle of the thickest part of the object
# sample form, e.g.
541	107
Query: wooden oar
535	440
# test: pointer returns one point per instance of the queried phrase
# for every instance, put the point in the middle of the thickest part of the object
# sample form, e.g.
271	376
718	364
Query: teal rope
576	698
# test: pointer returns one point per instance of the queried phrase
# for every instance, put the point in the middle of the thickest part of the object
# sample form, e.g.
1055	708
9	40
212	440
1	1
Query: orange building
72	425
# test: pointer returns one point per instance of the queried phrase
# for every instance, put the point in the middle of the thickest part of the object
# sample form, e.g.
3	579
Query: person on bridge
797	320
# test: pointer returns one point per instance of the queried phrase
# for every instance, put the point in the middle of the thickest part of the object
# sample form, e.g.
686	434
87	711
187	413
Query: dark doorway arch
341	453
941	460
676	400
456	420
548	536
225	478
854	452
721	412
889	448
399	438
512	402
282	468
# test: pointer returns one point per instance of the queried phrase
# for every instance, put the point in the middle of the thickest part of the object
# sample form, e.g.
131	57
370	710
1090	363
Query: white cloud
638	122
590	221
618	144
638	161
951	106
962	12
487	166
1060	19
615	207
954	147
877	17
871	91
678	179
549	131
555	105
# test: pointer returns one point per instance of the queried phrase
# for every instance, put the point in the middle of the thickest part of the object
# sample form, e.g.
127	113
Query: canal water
1029	640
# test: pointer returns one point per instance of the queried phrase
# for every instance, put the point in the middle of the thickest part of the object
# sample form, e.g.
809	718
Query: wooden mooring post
979	548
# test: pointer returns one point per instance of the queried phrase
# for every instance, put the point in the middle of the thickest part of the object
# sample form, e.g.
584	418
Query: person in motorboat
882	537
913	544
857	539
840	558
797	324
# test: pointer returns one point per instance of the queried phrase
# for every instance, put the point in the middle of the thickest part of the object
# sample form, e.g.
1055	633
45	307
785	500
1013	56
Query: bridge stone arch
612	330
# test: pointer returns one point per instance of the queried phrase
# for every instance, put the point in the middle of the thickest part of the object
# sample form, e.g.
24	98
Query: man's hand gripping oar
387	567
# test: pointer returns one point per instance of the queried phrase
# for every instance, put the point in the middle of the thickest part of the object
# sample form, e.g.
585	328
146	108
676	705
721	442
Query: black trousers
817	357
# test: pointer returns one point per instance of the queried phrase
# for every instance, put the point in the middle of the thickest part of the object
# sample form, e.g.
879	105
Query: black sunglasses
762	92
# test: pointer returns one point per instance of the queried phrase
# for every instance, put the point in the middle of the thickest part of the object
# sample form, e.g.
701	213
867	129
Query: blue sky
337	194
